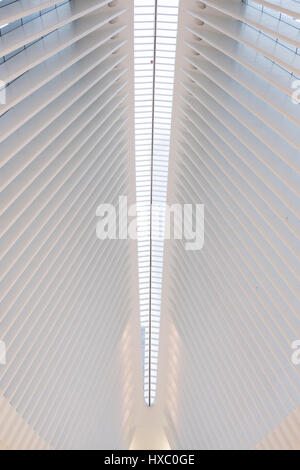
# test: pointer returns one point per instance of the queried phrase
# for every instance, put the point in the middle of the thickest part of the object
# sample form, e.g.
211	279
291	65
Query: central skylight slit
156	25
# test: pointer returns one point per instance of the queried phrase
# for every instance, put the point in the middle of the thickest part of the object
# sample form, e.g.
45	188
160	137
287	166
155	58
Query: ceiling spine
155	50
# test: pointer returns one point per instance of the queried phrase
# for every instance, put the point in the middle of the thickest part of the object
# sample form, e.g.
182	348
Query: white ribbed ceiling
68	301
89	85
231	312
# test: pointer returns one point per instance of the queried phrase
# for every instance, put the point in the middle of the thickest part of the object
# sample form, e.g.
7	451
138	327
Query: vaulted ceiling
191	102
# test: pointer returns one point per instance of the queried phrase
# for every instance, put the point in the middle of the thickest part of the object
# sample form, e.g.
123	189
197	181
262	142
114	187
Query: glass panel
154	83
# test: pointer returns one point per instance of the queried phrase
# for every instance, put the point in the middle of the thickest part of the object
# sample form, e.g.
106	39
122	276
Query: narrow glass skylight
156	25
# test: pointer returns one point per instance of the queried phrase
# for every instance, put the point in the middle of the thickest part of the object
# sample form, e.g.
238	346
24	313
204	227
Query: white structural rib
80	37
46	23
290	8
68	301
16	10
271	46
231	312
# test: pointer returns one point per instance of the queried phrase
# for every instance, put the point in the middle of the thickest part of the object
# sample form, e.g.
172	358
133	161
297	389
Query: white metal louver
231	311
67	301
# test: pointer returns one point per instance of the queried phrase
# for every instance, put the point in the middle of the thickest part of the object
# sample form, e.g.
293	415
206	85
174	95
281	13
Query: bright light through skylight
153	116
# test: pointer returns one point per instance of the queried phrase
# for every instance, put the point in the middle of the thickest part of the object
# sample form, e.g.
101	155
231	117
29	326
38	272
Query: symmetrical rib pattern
233	308
67	309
